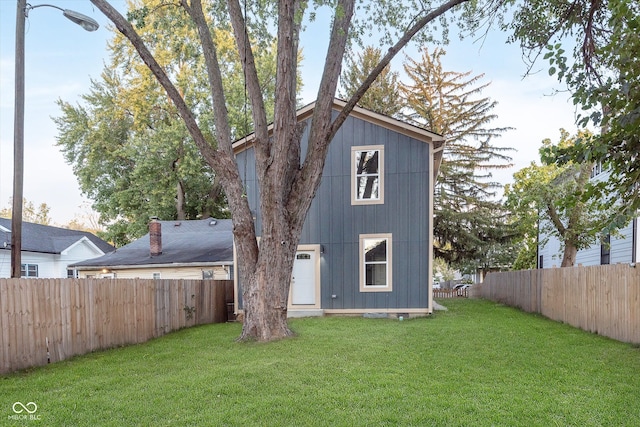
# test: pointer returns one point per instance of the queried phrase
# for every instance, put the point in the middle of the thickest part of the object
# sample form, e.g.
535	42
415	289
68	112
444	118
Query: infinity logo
30	407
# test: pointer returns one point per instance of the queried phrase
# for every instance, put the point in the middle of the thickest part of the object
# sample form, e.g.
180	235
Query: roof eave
150	266
361	113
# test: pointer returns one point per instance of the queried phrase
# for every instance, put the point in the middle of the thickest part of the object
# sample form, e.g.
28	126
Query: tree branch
391	53
261	134
223	161
220	113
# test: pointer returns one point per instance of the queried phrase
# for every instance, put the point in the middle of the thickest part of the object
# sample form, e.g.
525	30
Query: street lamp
22	13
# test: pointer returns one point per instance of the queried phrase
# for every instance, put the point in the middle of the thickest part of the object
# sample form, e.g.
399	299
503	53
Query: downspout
634	243
538	242
432	180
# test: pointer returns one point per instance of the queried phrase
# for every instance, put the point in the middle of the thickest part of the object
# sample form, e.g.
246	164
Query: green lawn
477	364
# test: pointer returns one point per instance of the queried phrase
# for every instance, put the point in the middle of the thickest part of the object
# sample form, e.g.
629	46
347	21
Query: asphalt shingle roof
48	239
183	242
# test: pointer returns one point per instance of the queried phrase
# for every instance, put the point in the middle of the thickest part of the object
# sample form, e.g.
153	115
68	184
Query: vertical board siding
48	320
335	223
601	299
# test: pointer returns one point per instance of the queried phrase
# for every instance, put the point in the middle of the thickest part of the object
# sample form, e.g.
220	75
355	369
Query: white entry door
303	283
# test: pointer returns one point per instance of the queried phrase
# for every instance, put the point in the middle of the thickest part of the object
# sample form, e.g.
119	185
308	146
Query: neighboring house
195	249
621	248
367	243
48	251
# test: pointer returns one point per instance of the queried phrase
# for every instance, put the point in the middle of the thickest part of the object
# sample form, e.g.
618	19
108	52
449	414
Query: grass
477	364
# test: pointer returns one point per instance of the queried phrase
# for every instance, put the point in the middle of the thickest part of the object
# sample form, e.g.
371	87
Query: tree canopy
129	148
550	200
592	46
30	213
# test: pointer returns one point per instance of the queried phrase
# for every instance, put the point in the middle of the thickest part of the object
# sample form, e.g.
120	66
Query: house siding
336	224
219	273
621	250
49	265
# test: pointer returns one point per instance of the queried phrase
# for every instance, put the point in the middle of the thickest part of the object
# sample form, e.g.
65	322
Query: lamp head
84	21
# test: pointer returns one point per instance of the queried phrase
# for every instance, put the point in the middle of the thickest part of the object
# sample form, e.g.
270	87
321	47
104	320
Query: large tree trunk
265	318
569	256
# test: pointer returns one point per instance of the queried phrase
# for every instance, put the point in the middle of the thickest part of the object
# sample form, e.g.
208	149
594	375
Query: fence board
4	325
77	316
600	299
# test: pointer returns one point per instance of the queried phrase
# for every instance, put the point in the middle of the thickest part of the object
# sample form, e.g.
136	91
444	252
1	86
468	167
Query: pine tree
383	96
468	218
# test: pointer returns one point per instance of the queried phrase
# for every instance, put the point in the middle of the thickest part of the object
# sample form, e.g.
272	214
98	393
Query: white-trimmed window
156	276
29	270
367	175
596	170
375	263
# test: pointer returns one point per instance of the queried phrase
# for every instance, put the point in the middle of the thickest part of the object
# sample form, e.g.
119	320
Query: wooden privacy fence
47	320
450	293
602	299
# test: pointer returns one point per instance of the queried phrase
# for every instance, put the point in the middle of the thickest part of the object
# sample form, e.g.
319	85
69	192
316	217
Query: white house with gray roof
48	251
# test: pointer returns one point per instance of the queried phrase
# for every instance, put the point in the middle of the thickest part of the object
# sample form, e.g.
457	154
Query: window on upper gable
375	263
367	175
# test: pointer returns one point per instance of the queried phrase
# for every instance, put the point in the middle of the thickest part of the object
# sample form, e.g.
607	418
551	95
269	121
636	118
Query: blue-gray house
367	243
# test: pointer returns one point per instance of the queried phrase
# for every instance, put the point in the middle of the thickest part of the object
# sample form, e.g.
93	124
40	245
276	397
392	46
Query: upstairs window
367	175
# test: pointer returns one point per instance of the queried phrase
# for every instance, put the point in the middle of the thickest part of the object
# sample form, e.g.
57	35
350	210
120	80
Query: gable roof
47	239
387	122
205	241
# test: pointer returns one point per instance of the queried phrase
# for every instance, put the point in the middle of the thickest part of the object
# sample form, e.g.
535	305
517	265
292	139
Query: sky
61	59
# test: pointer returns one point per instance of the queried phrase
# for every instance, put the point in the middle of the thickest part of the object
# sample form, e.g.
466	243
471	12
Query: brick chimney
155	237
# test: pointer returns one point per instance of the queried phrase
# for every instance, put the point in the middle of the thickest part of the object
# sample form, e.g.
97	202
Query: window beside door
375	263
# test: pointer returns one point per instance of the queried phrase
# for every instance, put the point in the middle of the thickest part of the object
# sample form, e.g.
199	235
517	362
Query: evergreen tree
468	219
383	96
